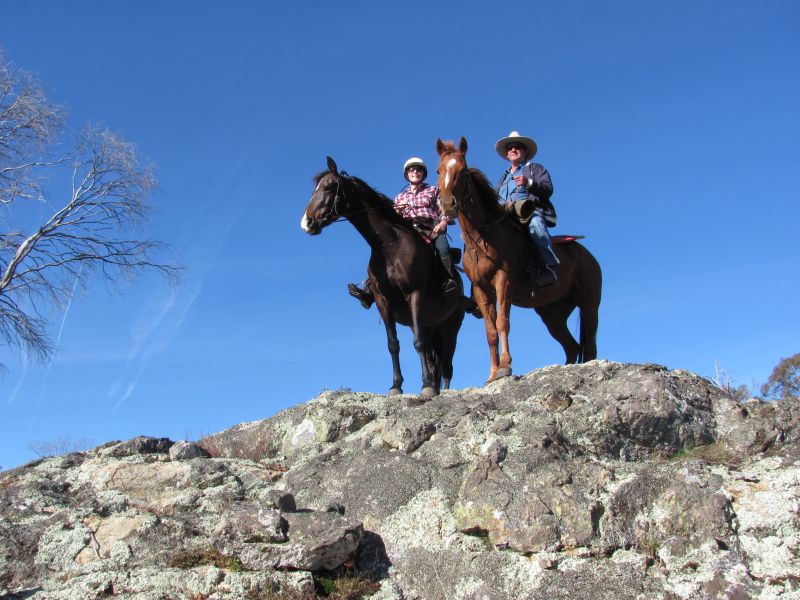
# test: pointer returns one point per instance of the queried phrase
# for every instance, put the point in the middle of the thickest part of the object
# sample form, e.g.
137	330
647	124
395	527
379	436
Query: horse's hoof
429	392
395	391
499	374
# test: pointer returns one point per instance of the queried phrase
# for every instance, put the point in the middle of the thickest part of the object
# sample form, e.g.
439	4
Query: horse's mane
485	190
374	198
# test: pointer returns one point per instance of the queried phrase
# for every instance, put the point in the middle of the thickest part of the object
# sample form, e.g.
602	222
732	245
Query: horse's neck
478	215
376	229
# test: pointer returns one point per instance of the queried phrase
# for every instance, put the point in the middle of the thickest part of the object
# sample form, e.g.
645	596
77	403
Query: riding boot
450	287
540	273
364	296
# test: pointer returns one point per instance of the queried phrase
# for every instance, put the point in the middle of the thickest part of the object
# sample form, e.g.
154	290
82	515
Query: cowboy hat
514	136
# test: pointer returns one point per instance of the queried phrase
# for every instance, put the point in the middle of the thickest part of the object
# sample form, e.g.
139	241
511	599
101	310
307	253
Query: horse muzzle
310	226
449	208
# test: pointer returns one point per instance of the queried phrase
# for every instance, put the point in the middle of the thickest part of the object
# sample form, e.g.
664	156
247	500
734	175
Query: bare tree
64	444
93	218
727	384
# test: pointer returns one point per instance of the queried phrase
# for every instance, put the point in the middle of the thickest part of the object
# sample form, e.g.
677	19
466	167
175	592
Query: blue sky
670	131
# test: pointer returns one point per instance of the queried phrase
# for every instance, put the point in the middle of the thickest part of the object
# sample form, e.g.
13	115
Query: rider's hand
520	180
440	227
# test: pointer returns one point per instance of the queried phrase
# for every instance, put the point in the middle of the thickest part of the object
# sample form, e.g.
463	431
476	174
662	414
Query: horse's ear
439	146
462	145
332	166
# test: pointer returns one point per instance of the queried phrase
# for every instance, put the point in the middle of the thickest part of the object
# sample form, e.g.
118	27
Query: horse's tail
589	291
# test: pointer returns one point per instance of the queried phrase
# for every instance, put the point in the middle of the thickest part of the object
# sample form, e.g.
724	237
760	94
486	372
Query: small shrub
62	445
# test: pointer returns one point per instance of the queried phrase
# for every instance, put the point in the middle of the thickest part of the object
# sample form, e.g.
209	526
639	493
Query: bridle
475	241
340	201
459	205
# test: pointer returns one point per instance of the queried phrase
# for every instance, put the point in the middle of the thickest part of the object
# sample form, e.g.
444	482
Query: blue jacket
539	189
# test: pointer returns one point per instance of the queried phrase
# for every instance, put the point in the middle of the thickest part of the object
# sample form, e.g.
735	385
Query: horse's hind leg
422	344
555	317
589	321
448	336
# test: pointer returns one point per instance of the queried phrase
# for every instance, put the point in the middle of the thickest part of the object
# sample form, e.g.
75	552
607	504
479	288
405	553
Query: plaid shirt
421	206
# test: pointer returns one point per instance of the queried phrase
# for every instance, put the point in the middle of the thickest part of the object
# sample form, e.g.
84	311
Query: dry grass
342	584
712	454
195	557
347	587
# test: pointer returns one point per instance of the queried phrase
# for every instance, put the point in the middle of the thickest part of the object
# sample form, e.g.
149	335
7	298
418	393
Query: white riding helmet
415	161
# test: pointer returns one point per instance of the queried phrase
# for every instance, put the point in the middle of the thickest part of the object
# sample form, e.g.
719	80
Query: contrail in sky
21	378
155	336
58	342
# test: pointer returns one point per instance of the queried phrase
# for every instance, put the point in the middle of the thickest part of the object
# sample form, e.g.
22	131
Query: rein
483	228
337	199
340	199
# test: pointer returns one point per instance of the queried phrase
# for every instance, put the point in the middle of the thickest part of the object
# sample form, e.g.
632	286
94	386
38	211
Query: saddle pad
563	239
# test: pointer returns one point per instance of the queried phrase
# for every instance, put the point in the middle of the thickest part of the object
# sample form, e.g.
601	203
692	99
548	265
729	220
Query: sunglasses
514	147
418	169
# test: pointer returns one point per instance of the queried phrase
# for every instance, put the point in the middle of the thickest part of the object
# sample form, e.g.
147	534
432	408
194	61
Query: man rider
525	179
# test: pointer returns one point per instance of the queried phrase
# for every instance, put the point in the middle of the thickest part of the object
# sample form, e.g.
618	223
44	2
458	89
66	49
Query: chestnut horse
404	273
497	251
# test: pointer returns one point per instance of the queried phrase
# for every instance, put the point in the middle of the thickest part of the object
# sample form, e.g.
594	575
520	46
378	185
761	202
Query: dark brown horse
497	251
404	273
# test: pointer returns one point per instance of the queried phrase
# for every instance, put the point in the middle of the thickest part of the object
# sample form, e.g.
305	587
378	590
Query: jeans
441	244
541	237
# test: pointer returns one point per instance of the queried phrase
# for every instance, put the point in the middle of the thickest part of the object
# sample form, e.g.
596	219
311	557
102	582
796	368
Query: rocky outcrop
601	480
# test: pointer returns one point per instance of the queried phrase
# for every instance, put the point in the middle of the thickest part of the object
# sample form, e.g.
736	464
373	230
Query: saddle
427	235
564	239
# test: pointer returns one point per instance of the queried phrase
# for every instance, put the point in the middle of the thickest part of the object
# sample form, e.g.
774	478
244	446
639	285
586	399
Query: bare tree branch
92	231
29	124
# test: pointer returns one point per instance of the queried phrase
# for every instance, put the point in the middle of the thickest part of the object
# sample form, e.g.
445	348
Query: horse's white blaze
304	224
450	164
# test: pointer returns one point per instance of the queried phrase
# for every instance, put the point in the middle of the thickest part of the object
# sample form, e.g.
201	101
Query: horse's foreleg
486	303
394	351
503	322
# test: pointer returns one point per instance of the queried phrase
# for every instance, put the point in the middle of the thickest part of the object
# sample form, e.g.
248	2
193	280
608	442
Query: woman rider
418	203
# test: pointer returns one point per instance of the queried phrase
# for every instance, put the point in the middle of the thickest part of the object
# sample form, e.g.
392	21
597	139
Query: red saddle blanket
563	239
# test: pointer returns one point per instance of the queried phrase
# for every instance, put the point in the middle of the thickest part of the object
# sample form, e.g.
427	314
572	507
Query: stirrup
450	288
356	292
